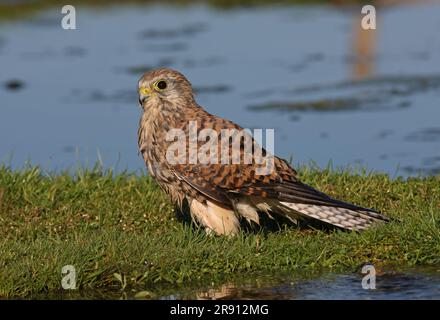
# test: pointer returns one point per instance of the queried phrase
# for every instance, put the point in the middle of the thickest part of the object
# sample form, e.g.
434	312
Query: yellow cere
144	90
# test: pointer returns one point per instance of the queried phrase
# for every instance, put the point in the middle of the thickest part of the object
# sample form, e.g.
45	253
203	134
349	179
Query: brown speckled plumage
219	195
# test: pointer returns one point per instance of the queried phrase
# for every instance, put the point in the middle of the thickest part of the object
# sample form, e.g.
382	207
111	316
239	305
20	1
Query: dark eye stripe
161	85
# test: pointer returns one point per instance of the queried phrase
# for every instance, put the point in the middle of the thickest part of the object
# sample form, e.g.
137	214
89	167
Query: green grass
104	224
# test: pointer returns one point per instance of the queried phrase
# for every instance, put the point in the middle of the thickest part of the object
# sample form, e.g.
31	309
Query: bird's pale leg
215	218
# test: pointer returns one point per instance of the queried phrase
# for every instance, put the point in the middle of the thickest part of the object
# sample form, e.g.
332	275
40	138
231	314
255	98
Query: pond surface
332	92
416	283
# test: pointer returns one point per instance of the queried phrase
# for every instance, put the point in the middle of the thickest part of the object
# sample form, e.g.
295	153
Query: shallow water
68	97
417	283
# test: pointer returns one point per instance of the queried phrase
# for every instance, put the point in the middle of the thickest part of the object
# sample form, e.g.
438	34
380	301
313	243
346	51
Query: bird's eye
161	84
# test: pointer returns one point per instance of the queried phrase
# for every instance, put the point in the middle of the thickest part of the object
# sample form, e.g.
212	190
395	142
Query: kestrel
222	197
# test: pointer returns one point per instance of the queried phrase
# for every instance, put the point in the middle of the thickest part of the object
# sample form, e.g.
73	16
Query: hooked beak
144	94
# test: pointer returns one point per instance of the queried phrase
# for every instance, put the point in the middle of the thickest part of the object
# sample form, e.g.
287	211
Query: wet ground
332	92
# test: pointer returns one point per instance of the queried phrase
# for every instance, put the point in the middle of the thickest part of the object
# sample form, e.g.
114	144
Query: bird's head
164	86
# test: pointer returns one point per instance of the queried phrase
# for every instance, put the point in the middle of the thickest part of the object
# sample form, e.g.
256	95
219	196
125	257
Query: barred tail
350	219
